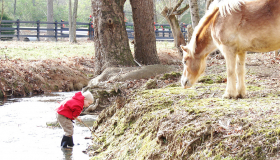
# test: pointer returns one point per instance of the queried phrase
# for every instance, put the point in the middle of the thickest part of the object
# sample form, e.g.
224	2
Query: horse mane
225	7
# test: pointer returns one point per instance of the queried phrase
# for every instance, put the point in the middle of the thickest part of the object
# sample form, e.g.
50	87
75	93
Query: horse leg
240	69
230	57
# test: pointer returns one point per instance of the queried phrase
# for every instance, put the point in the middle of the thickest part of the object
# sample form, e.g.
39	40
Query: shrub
6	25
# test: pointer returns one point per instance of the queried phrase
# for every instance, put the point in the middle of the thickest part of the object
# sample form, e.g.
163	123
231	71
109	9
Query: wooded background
33	10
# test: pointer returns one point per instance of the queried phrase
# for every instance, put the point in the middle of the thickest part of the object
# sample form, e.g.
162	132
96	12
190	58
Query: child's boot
64	141
70	141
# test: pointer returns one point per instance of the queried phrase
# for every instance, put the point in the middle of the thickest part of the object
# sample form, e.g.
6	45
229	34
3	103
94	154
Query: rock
88	118
53	124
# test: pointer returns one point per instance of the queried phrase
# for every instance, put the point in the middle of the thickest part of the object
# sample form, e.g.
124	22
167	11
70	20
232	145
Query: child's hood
78	96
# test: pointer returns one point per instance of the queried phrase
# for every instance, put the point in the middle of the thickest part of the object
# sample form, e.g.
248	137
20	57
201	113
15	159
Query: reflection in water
24	134
67	153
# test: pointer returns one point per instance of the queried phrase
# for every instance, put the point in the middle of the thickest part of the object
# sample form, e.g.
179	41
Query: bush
6	25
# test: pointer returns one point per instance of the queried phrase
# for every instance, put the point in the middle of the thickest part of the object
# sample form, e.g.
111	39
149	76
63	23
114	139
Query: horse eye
185	62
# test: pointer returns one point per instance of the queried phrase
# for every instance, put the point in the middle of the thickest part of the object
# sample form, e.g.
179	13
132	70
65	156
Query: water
24	134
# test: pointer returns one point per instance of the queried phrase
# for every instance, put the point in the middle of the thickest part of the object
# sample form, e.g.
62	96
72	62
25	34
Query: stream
25	135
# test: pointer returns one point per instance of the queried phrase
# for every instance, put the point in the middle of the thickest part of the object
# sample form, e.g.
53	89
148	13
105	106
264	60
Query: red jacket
73	107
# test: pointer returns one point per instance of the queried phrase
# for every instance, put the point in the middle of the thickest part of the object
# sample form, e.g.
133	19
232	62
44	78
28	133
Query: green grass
45	50
52	50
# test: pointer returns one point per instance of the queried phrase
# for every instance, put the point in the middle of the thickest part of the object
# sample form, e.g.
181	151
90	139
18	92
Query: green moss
170	75
55	87
121	126
174	85
206	79
254	88
151	84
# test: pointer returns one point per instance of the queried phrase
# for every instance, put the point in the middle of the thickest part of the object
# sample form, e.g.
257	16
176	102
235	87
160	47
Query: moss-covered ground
197	123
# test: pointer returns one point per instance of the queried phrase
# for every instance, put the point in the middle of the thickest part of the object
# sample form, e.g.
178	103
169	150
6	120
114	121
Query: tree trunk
208	2
2	13
194	12
170	15
155	12
110	36
72	21
50	19
15	7
175	27
33	1
189	33
145	51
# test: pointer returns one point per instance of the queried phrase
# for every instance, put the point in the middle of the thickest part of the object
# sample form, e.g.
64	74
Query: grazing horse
234	27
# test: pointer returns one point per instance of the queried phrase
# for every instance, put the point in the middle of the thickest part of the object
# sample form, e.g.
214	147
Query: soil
23	78
31	77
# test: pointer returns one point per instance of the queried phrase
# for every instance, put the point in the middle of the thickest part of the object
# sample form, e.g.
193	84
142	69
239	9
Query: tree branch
177	6
182	10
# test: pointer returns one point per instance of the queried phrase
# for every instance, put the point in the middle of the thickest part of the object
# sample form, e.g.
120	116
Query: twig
137	63
89	129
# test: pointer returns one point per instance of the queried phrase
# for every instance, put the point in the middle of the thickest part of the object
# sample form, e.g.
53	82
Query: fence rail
60	30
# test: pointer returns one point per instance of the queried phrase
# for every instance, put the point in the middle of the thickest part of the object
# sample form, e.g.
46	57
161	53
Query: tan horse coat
233	27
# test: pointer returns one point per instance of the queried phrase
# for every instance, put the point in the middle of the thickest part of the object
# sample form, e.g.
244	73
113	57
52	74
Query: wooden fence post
17	29
90	31
0	31
55	30
61	28
38	30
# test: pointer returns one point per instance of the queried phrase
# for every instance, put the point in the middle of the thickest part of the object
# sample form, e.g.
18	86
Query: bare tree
194	12
50	19
170	15
72	21
110	36
145	40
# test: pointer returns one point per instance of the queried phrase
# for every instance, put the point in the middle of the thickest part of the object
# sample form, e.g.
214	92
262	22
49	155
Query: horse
234	27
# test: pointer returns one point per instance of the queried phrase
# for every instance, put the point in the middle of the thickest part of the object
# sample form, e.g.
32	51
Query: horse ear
184	48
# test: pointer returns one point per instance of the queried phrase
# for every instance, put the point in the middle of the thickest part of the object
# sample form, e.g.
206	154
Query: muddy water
24	134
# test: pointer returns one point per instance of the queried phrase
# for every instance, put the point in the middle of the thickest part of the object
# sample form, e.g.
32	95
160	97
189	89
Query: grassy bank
176	123
190	124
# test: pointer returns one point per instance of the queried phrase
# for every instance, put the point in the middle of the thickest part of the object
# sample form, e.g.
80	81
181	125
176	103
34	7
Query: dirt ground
30	77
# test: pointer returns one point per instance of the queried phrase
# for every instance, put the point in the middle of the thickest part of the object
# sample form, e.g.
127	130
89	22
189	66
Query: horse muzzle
185	83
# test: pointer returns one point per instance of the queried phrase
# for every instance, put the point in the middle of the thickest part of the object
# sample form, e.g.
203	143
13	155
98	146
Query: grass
52	50
45	50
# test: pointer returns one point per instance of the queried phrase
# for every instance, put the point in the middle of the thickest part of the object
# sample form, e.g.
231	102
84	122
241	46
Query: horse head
194	66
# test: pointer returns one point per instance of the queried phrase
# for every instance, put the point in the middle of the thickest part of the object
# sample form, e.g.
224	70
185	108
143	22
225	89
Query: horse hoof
240	96
228	96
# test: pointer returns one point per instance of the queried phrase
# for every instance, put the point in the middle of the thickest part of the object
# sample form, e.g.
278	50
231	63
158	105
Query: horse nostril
186	82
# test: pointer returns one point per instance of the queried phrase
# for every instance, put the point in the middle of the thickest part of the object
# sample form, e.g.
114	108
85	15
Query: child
69	110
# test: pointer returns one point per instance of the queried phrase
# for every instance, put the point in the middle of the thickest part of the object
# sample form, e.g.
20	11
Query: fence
162	31
59	31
